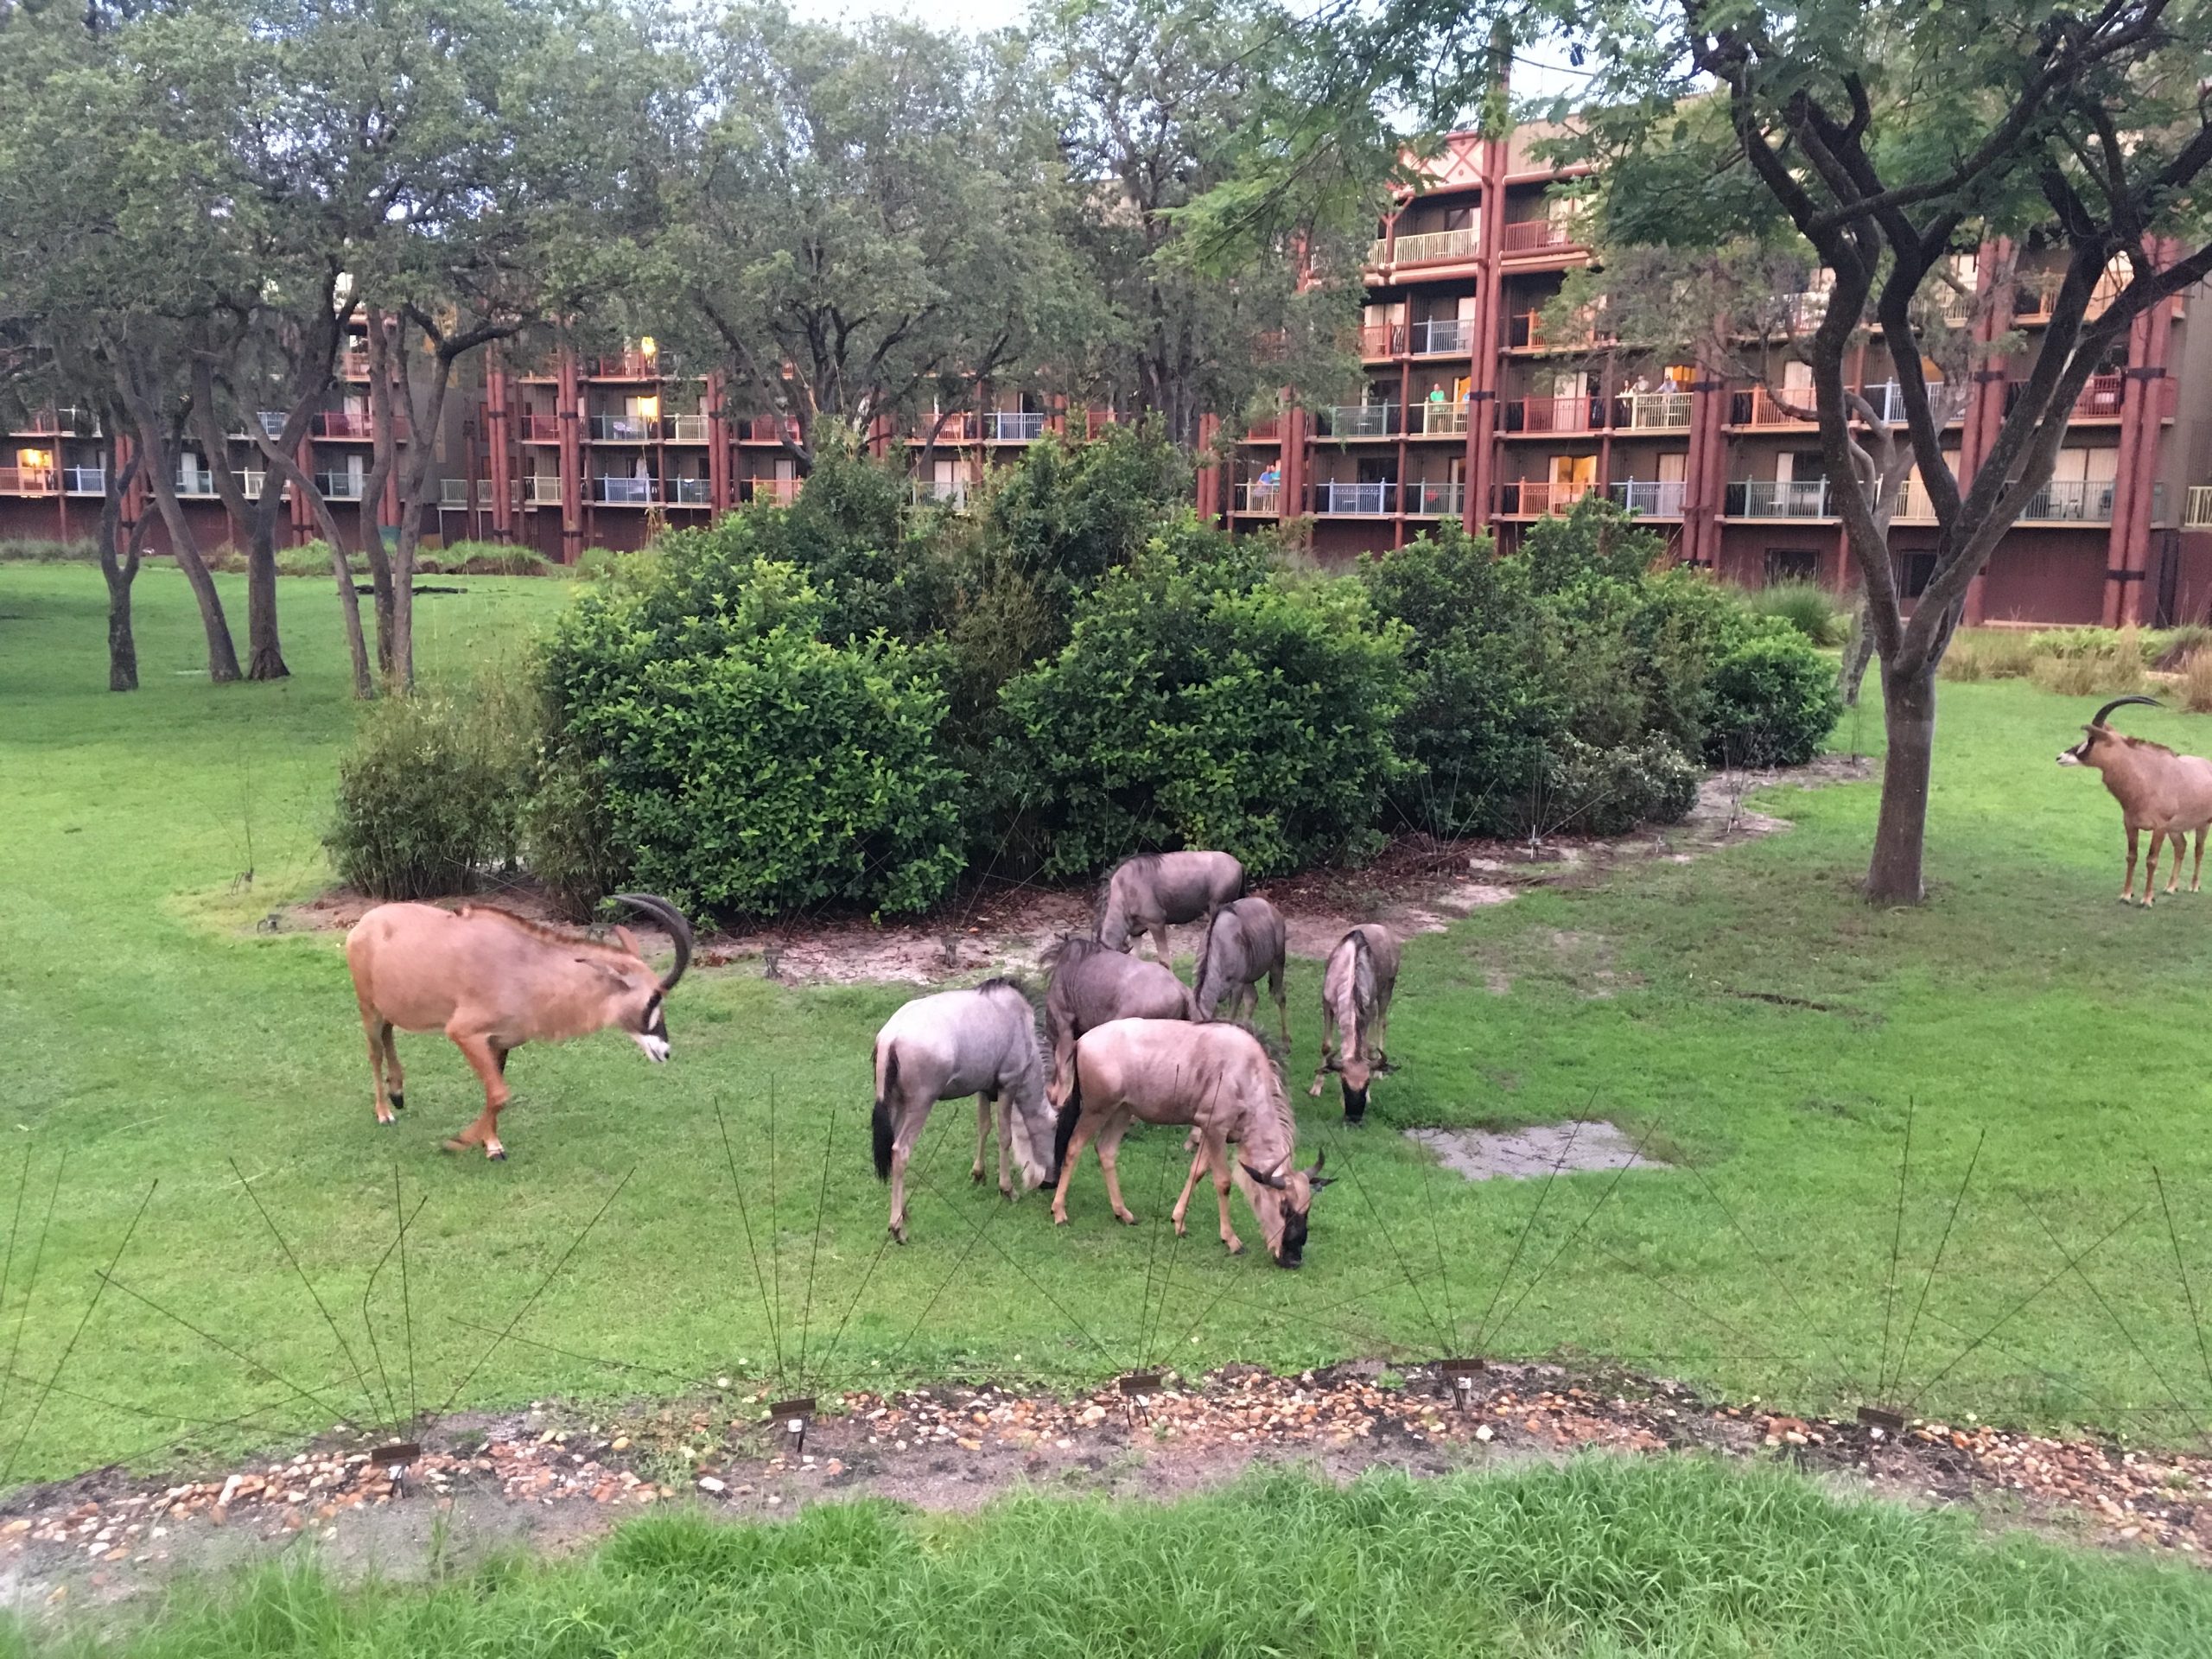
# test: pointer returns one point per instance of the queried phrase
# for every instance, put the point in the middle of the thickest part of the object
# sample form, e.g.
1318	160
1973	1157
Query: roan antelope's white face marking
656	1047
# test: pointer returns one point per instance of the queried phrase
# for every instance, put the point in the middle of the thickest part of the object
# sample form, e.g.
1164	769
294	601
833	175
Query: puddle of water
1536	1151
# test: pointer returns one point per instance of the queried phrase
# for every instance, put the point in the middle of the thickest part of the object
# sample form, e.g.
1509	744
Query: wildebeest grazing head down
1283	1201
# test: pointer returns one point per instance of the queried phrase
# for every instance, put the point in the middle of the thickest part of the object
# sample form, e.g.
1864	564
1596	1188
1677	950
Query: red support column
570	406
1985	407
2132	535
718	457
499	430
1210	492
1490	341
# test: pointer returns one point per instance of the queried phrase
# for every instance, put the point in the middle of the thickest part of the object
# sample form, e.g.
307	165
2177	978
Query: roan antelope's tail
886	1080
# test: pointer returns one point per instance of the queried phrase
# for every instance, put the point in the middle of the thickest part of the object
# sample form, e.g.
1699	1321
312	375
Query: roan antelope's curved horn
679	930
2098	719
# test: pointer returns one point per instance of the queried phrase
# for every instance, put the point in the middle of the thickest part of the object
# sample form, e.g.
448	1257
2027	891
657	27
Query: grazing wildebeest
1147	893
1356	989
983	1043
1092	984
1245	943
1216	1078
2166	793
492	982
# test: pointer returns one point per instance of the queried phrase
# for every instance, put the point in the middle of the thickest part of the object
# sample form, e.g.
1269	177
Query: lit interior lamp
650	346
649	408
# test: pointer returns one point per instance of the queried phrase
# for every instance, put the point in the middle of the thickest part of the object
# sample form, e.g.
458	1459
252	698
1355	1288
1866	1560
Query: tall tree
1884	138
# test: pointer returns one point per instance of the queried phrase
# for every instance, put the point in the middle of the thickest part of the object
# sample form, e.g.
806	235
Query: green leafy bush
429	795
1202	700
740	760
1774	701
1593	791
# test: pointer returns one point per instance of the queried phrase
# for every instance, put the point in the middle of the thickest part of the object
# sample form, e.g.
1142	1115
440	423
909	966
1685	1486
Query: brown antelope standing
1092	984
492	982
1149	893
2167	794
1245	943
1218	1079
1356	988
981	1042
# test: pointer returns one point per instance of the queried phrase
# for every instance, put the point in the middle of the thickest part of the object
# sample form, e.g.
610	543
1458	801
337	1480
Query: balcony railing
541	491
1267	431
943	492
1382	339
1436	500
1426	247
190	485
541	429
1434	419
2101	397
689	429
1802	312
1534	497
1531	235
2197	515
1358	421
1014	425
353	366
777	491
688	493
1652	411
626	365
339	486
25	481
253	482
1649	497
1360	501
1443	337
84	481
622	491
454	492
1264	501
1759	407
1915	505
1555	415
2075	501
67	421
1887	398
334	423
1783	497
624	428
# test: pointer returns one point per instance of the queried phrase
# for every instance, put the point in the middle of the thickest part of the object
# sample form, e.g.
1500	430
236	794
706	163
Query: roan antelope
2167	794
492	982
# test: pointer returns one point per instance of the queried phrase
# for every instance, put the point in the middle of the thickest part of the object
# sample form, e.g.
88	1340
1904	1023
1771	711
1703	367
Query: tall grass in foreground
1806	606
1605	1556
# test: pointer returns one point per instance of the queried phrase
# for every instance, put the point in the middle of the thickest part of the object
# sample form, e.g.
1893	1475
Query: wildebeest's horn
2098	719
679	930
1319	1158
1274	1181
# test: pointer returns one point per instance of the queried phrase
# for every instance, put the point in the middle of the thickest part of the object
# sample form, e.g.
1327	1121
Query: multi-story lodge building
1468	412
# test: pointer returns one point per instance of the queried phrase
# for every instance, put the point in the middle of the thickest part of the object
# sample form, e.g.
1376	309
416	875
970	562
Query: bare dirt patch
1417	885
1540	1149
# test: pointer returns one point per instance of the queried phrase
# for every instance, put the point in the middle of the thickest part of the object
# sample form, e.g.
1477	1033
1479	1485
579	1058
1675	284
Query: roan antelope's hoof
1236	1246
499	1156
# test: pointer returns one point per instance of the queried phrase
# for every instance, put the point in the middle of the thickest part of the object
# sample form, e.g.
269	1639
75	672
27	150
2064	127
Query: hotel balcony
624	428
84	480
1771	497
2198	513
1536	235
352	366
1536	498
2099	400
190	485
2075	501
540	489
1424	247
626	365
1433	419
690	428
1265	501
1652	411
1357	421
339	486
949	492
27	480
66	421
452	492
1445	500
688	493
539	429
1554	415
1660	498
623	492
1374	500
772	491
1759	407
1443	337
1267	431
1014	425
338	424
1382	339
1525	332
1802	312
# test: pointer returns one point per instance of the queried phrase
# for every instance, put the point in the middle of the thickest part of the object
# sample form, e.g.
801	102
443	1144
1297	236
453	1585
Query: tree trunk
265	652
120	569
1893	876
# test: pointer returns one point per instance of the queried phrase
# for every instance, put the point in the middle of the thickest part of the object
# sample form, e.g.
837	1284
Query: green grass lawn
1603	1558
152	1035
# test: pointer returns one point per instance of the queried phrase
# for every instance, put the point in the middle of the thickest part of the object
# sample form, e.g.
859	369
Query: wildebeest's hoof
1236	1246
399	1103
1315	1092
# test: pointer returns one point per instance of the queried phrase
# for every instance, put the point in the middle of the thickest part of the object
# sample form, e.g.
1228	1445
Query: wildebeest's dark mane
1070	948
1007	981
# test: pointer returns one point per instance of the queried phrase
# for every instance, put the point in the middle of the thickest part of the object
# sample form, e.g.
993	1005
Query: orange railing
1530	235
1554	415
1534	497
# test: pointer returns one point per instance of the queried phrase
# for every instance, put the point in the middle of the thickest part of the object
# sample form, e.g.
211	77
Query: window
1792	565
1915	570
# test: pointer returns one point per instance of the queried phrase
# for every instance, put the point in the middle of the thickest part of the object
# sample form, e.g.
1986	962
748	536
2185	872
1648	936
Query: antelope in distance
492	981
1245	943
1218	1079
1356	988
2158	789
980	1042
1153	890
1090	985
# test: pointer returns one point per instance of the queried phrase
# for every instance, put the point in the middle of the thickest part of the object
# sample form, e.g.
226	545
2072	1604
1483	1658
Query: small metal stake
793	1416
1459	1376
395	1457
1882	1417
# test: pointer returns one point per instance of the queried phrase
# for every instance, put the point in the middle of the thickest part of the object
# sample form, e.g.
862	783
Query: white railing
1779	498
623	428
1651	498
1443	336
1802	312
189	483
339	486
688	429
690	492
2074	501
1262	499
1436	500
1646	411
1367	500
253	483
452	492
1014	425
1424	246
2198	513
623	492
1887	398
1434	419
1360	420
541	491
941	491
84	480
1915	505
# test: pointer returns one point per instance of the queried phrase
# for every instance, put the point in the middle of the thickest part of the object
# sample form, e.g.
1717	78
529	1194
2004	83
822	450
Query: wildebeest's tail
886	1080
1064	1131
